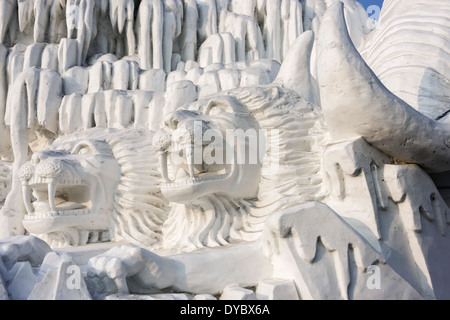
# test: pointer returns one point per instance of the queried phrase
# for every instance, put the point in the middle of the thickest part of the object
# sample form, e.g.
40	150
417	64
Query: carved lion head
90	186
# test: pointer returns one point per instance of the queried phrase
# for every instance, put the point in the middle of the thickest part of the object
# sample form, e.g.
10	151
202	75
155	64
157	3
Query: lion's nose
171	121
37	157
161	140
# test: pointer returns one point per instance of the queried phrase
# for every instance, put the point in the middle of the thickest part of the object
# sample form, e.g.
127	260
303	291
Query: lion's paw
128	269
23	248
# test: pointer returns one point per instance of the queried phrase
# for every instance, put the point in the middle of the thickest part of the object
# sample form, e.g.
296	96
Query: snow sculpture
171	141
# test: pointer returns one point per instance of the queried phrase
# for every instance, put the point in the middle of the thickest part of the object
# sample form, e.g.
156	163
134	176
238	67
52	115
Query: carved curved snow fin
356	103
295	72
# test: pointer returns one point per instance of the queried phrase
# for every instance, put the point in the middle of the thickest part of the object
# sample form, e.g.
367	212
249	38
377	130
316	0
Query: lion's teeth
182	175
40	180
57	214
51	195
163	165
26	190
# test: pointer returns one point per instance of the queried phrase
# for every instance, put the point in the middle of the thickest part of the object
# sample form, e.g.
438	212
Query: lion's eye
83	149
215	108
214	111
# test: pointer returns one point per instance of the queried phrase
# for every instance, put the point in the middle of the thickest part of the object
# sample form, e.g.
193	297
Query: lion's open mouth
45	198
181	167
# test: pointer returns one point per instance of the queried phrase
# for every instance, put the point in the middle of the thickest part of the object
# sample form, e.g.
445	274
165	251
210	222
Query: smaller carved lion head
88	187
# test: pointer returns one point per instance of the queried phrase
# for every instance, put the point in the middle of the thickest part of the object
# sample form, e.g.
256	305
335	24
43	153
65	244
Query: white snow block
208	84
23	248
67	54
124	111
276	289
62	280
343	270
49	59
141	101
271	66
176	76
161	296
153	80
179	94
49	99
14	62
33	55
133	82
211	51
254	77
229	79
156	110
234	292
214	67
3	292
88	102
70	114
191	64
121	75
76	80
204	297
95	78
194	74
23	280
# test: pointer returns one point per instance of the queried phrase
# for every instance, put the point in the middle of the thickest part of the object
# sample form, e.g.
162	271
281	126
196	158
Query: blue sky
367	3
